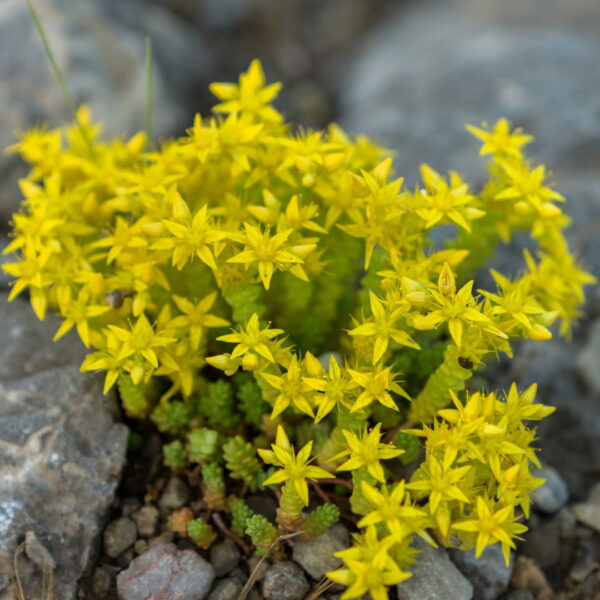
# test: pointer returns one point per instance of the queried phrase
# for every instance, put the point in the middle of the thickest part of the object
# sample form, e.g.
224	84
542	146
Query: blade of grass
148	117
59	76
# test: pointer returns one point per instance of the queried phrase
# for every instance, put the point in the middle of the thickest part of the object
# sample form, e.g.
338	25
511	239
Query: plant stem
59	76
148	117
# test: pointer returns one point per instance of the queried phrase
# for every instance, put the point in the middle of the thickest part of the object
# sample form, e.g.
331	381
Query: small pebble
316	556
129	506
588	512
224	557
435	577
226	589
553	494
163	538
488	574
118	536
519	595
146	519
140	546
284	580
101	581
175	496
166	573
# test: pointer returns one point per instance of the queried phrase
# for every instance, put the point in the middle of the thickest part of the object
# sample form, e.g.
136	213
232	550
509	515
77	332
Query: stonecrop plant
276	302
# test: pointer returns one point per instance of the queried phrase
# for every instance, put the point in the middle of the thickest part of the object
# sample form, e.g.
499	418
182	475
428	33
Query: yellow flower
292	390
527	185
78	313
442	200
500	141
394	511
270	252
190	236
382	327
107	360
367	451
140	341
333	387
458	309
195	317
250	97
492	523
522	406
376	384
293	468
441	483
370	568
252	340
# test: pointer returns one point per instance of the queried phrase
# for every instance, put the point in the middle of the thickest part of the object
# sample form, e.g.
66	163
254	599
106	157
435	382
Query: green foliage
134	397
240	513
241	461
213	486
262	533
174	455
201	533
171	417
410	444
250	399
321	519
203	445
218	405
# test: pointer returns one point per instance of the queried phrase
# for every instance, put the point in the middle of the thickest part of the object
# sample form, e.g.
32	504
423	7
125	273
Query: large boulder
61	455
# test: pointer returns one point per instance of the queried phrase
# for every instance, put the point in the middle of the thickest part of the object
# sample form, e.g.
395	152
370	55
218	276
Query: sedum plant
276	302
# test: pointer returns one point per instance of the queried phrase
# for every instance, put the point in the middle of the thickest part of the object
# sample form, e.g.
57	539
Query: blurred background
408	73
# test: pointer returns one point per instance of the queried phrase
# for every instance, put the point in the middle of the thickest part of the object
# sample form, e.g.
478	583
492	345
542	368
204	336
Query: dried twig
216	517
254	575
18	552
321	587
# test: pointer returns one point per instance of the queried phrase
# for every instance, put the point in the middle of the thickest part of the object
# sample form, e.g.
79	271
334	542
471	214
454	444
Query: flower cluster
253	289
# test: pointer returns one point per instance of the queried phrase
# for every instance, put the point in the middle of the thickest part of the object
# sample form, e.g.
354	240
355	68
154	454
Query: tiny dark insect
115	298
465	363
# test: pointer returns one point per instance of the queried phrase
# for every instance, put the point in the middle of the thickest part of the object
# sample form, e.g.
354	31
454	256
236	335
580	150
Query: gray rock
467	67
224	557
552	495
488	574
61	455
26	345
519	595
119	535
543	544
588	512
588	360
165	573
284	581
146	519
226	589
102	59
435	577
164	538
5	278
37	552
176	494
316	556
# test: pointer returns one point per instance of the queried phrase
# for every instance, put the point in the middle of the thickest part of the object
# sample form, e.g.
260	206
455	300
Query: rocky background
409	74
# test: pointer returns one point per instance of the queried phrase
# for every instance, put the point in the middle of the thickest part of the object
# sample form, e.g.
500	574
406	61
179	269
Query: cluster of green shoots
273	300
